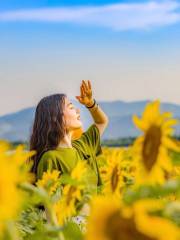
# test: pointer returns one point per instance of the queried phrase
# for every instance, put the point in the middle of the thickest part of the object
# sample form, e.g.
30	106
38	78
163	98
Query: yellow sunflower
111	220
108	220
154	226
114	172
49	181
13	172
66	206
71	194
79	171
151	149
20	159
175	172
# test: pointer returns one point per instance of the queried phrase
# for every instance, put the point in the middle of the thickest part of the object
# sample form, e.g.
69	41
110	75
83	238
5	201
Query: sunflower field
139	198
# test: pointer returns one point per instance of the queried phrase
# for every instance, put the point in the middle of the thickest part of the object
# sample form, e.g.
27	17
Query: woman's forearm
98	114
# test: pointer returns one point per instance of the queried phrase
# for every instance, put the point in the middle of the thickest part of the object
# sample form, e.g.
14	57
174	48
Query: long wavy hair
48	127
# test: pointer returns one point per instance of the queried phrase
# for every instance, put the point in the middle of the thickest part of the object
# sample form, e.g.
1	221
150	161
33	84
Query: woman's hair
48	127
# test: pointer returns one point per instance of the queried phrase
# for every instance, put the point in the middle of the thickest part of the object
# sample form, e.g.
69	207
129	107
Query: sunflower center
118	228
114	178
151	146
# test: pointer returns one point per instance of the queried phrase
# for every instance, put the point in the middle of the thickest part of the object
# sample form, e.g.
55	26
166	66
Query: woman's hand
86	94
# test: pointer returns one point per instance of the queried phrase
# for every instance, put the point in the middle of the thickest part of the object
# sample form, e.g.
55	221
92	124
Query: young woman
55	120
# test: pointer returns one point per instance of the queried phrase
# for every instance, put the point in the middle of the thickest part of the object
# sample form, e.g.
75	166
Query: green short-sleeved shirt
87	148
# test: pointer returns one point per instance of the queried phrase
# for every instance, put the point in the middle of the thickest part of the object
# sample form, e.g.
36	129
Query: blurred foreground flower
151	149
110	220
14	171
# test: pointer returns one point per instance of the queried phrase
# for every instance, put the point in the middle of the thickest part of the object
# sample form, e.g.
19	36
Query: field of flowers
138	200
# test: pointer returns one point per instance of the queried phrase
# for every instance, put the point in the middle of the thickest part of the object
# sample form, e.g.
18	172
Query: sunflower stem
52	219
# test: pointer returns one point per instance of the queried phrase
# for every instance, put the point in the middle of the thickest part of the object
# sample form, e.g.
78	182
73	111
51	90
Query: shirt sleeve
91	138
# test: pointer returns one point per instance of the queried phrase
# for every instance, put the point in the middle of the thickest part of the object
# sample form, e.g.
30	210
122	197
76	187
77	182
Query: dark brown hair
48	127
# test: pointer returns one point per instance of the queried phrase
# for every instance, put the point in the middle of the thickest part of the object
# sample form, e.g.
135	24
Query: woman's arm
100	118
86	98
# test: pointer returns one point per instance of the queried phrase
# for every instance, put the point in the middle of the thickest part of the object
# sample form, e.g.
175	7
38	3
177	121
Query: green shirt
86	148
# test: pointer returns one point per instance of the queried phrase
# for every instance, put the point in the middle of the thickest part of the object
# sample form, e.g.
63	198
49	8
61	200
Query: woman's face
71	116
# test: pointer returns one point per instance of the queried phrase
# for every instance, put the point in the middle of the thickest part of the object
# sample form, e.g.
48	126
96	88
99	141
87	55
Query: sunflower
113	224
66	206
113	173
117	170
151	149
152	225
8	189
175	172
72	193
79	171
49	181
20	159
117	221
13	172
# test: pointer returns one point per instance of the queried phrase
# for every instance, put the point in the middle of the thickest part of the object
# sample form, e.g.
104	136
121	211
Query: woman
55	121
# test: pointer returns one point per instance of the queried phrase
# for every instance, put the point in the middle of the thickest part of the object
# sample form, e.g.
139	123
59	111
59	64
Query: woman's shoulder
46	161
48	154
90	140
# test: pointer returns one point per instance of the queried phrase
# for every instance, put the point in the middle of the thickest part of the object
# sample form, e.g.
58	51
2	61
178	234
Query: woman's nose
78	110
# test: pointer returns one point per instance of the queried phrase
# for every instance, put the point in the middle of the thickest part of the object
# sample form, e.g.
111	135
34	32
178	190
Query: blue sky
16	4
130	50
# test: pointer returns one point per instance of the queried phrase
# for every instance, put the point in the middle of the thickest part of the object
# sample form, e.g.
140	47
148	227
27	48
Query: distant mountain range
17	126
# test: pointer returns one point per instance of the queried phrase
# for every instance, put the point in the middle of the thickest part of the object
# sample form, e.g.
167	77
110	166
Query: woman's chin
79	124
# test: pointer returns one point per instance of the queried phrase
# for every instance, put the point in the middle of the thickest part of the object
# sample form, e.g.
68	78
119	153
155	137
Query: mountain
18	126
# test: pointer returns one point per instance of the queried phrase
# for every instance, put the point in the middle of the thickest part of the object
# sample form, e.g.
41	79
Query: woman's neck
66	141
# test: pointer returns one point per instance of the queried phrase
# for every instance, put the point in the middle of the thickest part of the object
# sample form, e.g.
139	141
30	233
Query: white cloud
116	16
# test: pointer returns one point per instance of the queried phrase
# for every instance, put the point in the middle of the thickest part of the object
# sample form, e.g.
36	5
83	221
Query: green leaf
72	231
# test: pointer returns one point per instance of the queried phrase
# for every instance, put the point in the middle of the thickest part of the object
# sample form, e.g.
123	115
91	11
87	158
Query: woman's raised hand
85	97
